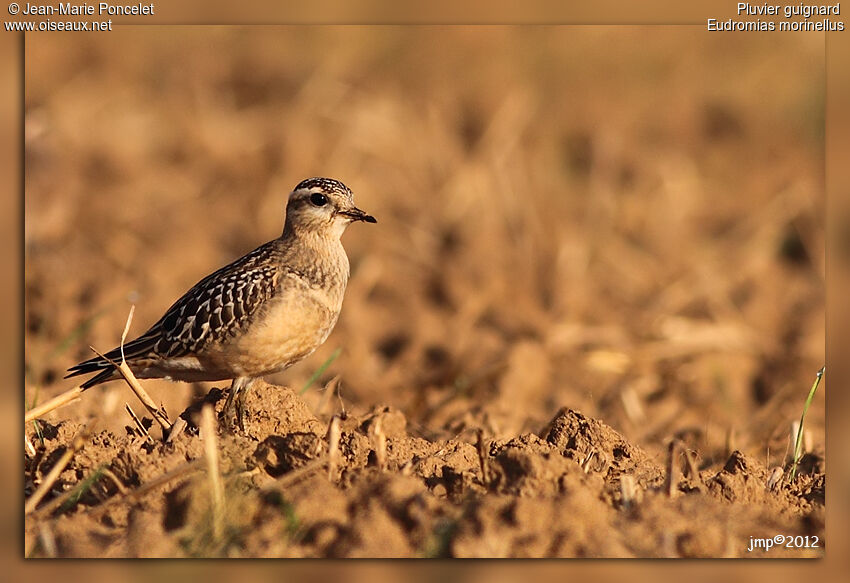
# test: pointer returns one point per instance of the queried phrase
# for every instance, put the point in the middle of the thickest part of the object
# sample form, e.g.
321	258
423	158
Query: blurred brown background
623	220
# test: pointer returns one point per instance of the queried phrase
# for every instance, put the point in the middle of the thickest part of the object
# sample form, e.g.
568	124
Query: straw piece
380	445
54	403
211	455
176	429
133	382
628	490
186	468
333	446
142	430
143	396
483	457
693	470
672	473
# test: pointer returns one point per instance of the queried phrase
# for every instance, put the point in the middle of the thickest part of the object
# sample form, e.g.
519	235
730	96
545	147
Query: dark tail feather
103	369
142	346
101	377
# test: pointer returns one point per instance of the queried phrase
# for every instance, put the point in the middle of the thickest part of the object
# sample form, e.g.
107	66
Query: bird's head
322	206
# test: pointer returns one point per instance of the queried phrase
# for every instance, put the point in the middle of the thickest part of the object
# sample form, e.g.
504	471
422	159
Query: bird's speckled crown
326	184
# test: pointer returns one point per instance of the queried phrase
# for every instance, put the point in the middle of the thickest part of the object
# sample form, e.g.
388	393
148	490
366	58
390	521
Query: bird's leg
237	395
234	388
240	403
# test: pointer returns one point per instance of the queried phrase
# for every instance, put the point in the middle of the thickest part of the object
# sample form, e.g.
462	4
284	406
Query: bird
258	315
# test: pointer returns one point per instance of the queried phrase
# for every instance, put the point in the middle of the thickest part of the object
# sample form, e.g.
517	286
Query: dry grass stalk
211	454
632	406
302	472
333	446
54	403
774	478
672	472
30	540
585	463
185	469
343	414
330	388
76	445
47	540
730	441
114	479
133	382
29	445
668	545
628	490
380	445
143	396
483	457
137	422
176	429
691	465
241	475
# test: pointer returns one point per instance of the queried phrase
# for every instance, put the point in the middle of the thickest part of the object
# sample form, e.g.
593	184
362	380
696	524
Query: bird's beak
355	214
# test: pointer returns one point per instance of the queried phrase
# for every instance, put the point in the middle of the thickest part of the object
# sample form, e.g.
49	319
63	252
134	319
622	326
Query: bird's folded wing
213	310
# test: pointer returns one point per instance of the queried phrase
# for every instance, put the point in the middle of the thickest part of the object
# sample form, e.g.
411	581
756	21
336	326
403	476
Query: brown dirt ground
584	253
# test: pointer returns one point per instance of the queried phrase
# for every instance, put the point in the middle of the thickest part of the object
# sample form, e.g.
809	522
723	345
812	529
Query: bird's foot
233	415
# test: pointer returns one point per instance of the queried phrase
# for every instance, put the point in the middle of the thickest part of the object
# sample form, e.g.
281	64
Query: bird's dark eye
318	199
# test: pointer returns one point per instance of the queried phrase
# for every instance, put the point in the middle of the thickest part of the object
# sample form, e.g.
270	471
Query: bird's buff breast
294	325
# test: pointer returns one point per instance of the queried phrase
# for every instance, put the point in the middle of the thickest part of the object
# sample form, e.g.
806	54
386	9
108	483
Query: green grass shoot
320	371
35	422
82	488
798	444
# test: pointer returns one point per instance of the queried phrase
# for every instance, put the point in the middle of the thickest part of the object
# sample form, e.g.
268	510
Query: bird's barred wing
213	310
218	307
